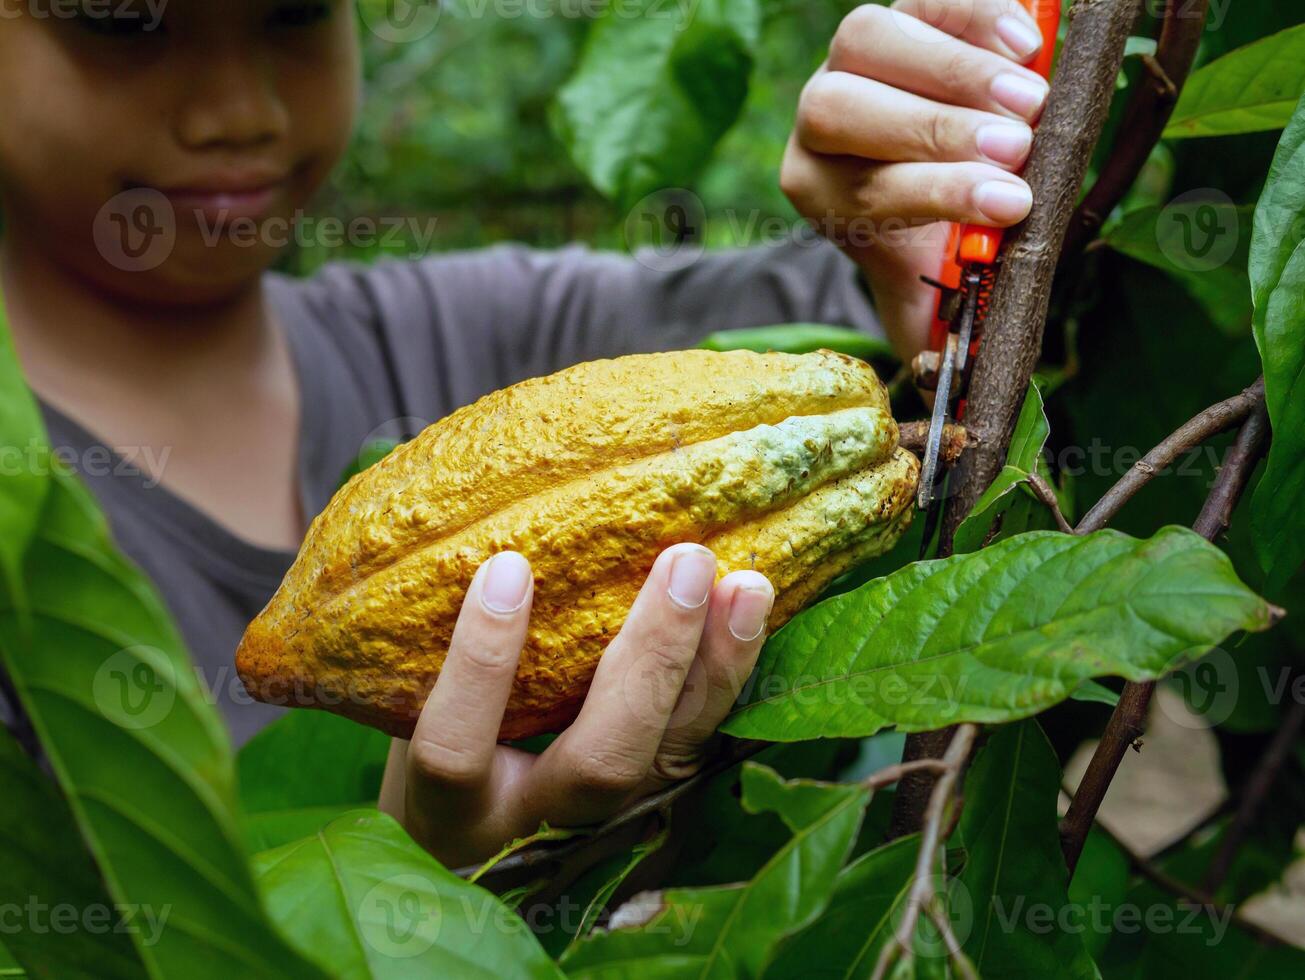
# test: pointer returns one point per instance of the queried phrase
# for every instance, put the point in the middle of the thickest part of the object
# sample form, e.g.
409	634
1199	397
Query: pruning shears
964	285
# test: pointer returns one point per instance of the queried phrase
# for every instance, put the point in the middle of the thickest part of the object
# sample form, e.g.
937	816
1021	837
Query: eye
119	23
299	14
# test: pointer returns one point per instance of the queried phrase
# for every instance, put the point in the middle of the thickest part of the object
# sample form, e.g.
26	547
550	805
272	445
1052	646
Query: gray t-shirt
382	351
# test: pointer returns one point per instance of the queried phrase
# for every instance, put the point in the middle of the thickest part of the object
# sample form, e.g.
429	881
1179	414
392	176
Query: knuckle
860	21
668	655
823	108
487	656
677	761
607	773
440	762
936	135
957	71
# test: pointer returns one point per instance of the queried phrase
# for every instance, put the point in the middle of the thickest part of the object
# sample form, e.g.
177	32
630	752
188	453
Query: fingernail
1005	143
1003	201
507	580
1021	95
749	610
693	573
1022	39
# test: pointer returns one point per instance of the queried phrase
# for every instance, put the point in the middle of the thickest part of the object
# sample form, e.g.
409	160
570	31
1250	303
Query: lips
222	198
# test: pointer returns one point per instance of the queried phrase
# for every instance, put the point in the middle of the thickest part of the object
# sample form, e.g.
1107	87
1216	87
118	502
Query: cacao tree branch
1145	117
1129	716
1256	791
922	892
1080	96
1217	418
1200	897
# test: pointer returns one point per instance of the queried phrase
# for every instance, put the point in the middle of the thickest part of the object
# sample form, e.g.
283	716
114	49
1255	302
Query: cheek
322	100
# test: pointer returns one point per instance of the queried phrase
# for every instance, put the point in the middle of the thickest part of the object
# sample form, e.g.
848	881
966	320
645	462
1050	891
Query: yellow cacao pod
786	464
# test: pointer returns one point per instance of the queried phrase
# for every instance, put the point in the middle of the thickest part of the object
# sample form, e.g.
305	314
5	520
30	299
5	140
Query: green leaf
1094	693
1026	445
592	892
1098	887
311	759
272	828
1015	873
657	86
135	744
48	873
996	635
863	911
1200	243
1277	267
801	338
22	486
371	454
730	931
1248	90
364	901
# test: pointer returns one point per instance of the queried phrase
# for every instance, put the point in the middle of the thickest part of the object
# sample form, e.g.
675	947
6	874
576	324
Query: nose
231	100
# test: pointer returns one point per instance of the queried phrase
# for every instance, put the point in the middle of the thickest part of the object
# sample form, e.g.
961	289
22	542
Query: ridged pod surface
786	464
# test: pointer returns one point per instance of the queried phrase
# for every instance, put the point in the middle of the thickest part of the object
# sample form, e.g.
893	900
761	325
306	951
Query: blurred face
161	149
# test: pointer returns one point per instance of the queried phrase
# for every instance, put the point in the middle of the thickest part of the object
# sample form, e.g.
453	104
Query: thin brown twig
1256	790
1149	106
1200	897
734	753
1218	418
1046	495
1127	720
922	892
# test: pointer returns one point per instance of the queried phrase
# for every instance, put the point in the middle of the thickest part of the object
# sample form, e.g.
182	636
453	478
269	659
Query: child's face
163	155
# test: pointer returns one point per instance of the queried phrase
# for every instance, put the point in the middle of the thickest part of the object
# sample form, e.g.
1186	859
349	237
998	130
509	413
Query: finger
845	114
606	753
871	43
731	641
1003	26
860	205
454	742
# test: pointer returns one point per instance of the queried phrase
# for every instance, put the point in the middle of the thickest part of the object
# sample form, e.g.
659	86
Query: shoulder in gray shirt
382	351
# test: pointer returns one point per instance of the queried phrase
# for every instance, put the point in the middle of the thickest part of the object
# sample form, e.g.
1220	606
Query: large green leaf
996	635
1251	89
801	338
1022	458
1015	872
863	911
311	758
48	876
1201	244
23	480
657	86
363	901
1277	267
138	749
730	931
593	890
139	752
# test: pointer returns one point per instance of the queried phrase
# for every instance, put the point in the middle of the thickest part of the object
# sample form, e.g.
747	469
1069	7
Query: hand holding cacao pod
786	464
